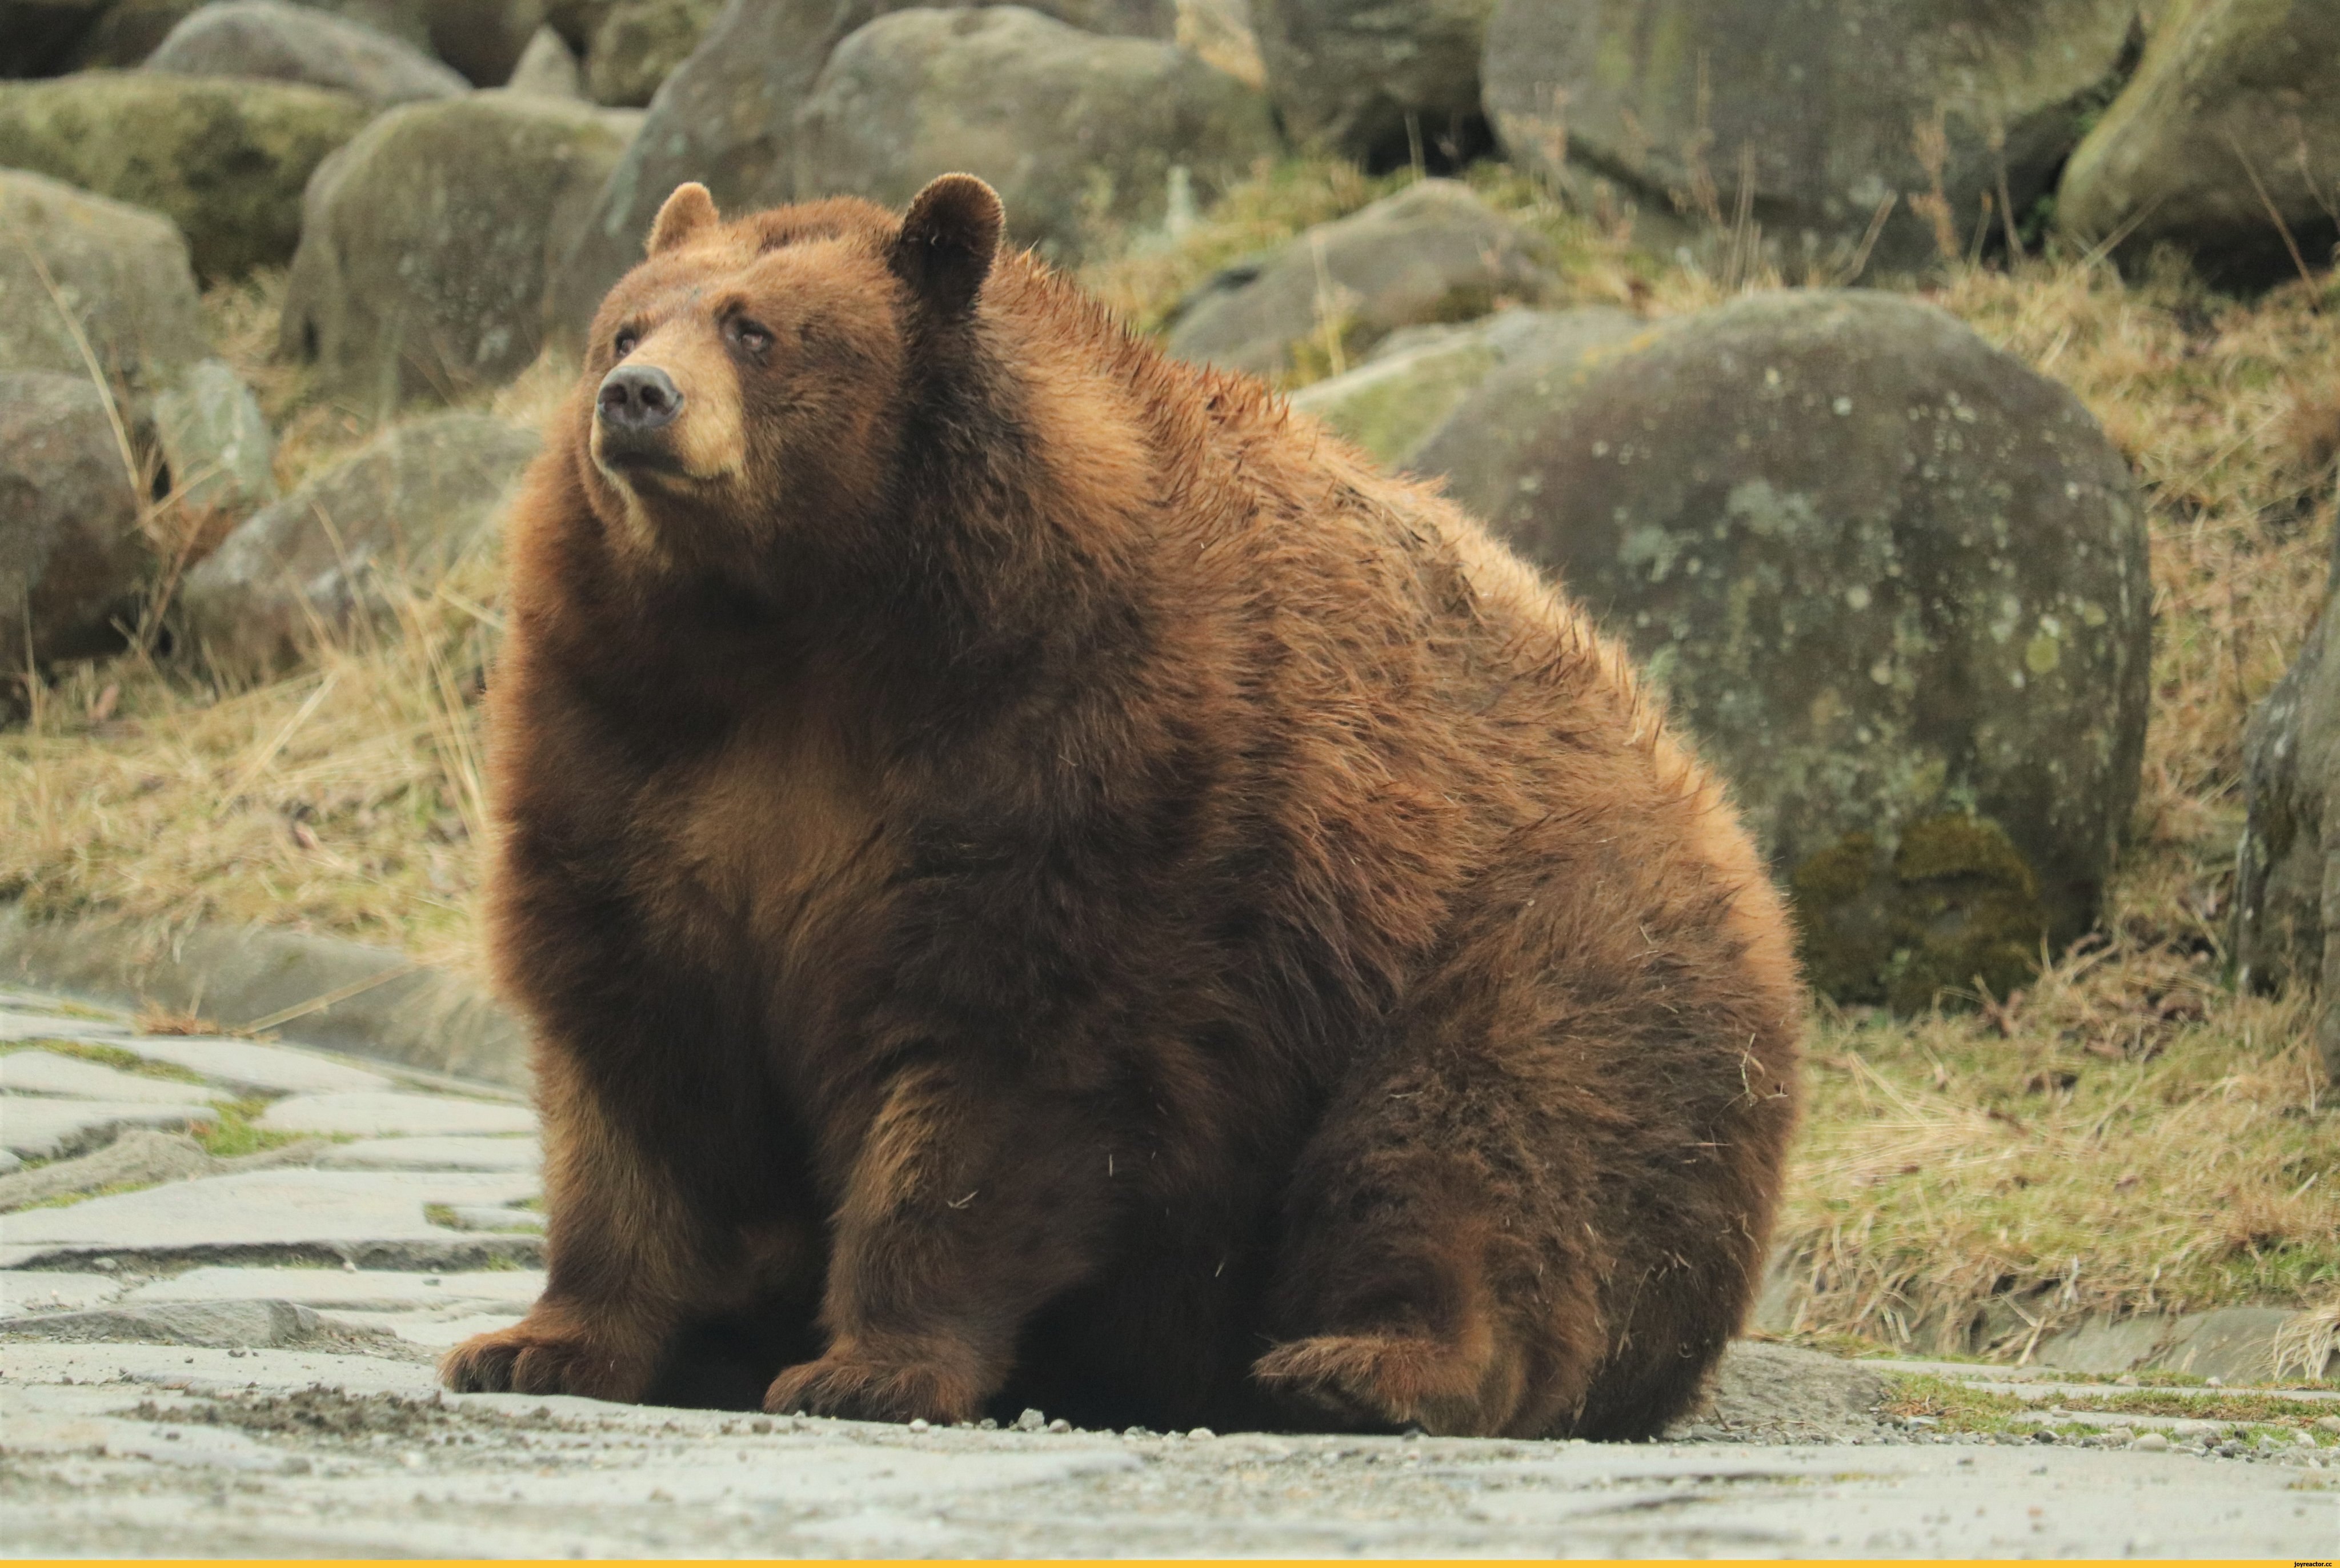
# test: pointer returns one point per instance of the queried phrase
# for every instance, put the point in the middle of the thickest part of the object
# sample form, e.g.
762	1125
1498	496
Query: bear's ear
688	211
948	237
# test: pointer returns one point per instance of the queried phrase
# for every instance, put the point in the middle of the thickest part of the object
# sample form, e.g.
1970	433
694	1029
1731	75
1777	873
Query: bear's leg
1428	1275
969	1205
1539	1205
625	1262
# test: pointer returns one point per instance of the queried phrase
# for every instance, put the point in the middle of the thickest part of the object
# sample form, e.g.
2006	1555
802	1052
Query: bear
1038	877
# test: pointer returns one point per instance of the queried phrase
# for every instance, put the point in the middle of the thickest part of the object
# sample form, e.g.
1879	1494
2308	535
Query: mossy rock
1953	910
1826	105
640	44
1350	74
2234	110
429	240
225	159
121	281
1887	576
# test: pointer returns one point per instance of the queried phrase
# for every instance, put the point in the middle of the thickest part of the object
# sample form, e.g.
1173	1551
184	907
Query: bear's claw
859	1389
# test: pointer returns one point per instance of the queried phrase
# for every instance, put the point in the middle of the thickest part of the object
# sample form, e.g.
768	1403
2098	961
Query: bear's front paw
864	1387
542	1354
1381	1380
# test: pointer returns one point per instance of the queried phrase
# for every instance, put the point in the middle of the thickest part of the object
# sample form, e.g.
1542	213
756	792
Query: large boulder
1830	105
70	551
548	68
226	161
1078	132
483	39
726	118
427	241
1893	580
1431	252
2234	110
278	41
1377	80
639	43
80	269
415	499
1403	396
2287	889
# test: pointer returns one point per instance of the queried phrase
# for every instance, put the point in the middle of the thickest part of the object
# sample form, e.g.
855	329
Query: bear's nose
637	399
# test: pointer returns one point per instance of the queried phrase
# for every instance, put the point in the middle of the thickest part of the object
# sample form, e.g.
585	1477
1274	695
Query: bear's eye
627	340
751	337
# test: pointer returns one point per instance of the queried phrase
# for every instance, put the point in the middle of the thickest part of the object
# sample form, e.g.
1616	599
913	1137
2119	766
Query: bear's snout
634	404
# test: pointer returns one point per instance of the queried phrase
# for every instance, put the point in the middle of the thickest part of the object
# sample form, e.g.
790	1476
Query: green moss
1956	905
232	1133
112	1057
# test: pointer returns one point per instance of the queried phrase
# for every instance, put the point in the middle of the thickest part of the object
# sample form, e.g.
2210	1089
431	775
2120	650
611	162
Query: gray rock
9	1163
355	1290
237	1325
1432	253
39	1072
1893	580
2288	869
396	1115
1079	134
1820	97
16	1027
1414	381
2236	106
1348	74
217	449
136	1159
41	1128
436	1154
1220	32
226	161
417	497
548	69
250	1067
728	118
427	244
639	43
117	272
275	40
1777	1388
70	556
291	1214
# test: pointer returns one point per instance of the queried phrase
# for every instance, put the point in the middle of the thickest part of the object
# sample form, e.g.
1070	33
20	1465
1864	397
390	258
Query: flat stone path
240	1363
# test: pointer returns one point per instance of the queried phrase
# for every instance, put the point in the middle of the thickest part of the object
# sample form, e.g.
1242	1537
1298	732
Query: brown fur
1040	876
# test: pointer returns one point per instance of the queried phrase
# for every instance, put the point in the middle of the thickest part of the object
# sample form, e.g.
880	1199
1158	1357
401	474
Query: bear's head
748	381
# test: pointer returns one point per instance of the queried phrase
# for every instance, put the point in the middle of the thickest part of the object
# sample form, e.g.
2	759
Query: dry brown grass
2127	1134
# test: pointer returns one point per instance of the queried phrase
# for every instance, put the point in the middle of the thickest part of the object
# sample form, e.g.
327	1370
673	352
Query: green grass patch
115	1056
231	1132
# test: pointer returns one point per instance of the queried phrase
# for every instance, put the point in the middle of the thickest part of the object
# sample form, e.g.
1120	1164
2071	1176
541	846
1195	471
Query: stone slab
39	1072
35	1127
302	1213
430	1331
358	1290
15	1025
52	1290
254	1066
436	1154
396	1114
247	1324
483	1217
9	1163
522	1475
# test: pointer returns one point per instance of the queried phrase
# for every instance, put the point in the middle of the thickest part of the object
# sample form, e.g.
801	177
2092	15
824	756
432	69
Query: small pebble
1201	1432
1031	1421
2120	1434
1060	1425
2213	1382
2328	1424
918	1424
760	1425
2151	1443
2303	1439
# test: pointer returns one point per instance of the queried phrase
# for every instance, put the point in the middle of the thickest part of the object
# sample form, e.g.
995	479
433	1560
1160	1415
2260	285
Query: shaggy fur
1039	877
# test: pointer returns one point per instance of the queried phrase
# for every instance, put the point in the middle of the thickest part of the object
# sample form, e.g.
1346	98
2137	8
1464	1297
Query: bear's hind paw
527	1359
858	1388
1379	1380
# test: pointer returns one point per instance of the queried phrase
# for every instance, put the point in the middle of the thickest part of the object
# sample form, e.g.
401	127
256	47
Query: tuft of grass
112	1057
231	1132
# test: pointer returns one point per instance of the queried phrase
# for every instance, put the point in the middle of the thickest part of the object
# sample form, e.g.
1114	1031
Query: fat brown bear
1040	878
